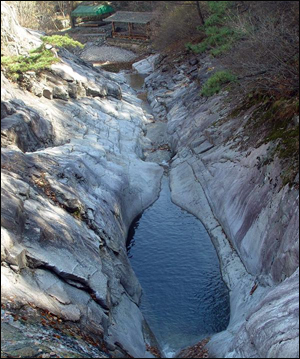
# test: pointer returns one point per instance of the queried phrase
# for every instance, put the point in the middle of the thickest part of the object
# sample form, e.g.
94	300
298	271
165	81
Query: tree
200	12
267	55
71	7
62	7
177	22
26	12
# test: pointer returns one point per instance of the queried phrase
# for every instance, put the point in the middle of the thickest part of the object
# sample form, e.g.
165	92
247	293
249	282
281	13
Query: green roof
88	11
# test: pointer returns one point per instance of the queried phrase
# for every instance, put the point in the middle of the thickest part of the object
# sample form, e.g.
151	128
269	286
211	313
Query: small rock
194	61
6	109
60	93
93	90
192	69
48	94
37	90
110	346
14	268
73	90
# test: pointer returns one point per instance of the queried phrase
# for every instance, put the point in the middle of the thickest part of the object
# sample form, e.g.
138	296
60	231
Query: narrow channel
184	296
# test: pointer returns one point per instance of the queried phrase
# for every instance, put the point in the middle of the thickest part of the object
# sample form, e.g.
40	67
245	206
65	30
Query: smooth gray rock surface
73	179
146	66
252	218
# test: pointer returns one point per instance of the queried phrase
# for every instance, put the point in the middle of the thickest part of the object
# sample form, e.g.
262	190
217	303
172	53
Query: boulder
48	93
146	66
193	61
60	92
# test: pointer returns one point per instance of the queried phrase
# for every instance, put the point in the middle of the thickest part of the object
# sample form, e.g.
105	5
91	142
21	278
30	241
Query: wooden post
148	30
130	29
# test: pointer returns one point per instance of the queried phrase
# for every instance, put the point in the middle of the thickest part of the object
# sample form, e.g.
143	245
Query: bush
61	41
218	11
197	48
16	65
38	59
256	40
174	26
267	57
219	37
215	83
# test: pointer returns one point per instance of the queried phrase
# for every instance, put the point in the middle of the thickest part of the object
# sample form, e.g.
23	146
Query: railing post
130	29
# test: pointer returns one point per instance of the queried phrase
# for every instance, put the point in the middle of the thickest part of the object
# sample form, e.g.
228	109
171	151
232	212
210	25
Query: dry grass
196	351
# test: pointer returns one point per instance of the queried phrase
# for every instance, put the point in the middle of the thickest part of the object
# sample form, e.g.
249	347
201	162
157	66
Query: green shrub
197	48
16	65
215	83
38	59
219	38
61	41
220	50
218	10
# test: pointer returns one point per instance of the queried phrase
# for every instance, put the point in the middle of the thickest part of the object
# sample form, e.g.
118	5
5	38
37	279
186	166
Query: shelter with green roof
94	12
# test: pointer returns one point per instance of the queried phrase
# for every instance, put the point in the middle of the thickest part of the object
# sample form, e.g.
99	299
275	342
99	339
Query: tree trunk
72	19
200	12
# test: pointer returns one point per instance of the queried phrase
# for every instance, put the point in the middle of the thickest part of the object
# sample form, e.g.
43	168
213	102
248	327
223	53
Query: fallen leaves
153	350
196	351
164	147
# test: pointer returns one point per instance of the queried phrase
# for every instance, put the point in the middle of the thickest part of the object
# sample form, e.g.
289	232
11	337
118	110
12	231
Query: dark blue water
185	298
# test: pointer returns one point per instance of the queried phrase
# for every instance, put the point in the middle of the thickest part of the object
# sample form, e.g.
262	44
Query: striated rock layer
236	190
73	178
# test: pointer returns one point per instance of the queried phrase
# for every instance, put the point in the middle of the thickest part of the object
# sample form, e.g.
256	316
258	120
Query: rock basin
184	296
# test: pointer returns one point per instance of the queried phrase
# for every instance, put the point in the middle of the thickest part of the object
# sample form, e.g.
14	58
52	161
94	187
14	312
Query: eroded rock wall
235	187
73	179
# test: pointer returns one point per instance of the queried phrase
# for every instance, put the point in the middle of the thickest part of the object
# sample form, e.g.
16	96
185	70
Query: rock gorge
252	218
75	172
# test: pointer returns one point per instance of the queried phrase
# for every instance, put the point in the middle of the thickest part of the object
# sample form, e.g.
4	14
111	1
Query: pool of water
136	81
184	296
